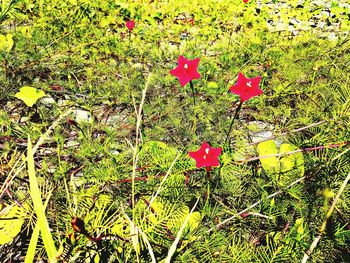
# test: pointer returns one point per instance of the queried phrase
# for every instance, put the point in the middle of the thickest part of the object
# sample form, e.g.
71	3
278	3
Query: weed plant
109	177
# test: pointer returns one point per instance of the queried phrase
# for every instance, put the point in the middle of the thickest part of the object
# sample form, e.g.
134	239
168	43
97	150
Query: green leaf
159	154
29	95
11	221
270	164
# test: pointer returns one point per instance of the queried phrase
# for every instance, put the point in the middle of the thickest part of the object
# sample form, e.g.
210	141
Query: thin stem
135	148
162	182
316	148
173	247
194	110
232	121
40	141
193	94
324	224
255	204
208	169
289	132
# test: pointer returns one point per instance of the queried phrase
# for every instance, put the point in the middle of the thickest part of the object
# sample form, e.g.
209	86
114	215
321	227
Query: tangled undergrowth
109	177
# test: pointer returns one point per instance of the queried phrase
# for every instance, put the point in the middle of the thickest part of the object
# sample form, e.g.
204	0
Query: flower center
185	66
249	84
206	152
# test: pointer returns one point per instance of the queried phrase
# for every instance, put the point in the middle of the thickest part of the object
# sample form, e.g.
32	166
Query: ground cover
203	131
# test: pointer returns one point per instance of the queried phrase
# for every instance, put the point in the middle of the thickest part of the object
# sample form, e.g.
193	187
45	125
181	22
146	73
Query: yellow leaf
300	229
11	221
26	31
328	193
105	21
29	95
292	161
299	223
6	42
270	164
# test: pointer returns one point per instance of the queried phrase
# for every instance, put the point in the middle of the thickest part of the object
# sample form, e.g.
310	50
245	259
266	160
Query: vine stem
232	121
321	147
254	205
324	224
289	132
280	192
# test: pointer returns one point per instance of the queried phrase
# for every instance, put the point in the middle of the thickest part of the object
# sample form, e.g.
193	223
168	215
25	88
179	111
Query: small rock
72	144
47	100
81	116
259	130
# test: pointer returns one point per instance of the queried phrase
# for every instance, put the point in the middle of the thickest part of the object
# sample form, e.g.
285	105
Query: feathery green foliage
99	187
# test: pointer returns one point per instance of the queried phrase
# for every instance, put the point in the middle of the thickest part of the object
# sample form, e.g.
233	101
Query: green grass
110	174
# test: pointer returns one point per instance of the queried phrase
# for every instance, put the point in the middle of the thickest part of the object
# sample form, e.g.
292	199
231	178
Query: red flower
245	1
186	70
246	88
206	156
130	24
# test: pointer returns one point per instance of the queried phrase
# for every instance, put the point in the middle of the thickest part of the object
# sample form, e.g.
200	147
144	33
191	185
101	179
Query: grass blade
32	245
39	206
34	238
178	236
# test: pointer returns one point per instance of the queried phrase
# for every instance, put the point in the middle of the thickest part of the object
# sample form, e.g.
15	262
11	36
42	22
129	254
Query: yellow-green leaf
299	223
29	95
194	221
270	164
105	21
212	87
26	31
292	161
328	193
120	228
11	221
6	42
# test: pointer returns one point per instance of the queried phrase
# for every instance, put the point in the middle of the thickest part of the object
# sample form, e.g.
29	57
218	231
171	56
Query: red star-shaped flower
246	88
186	70
130	24
206	156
